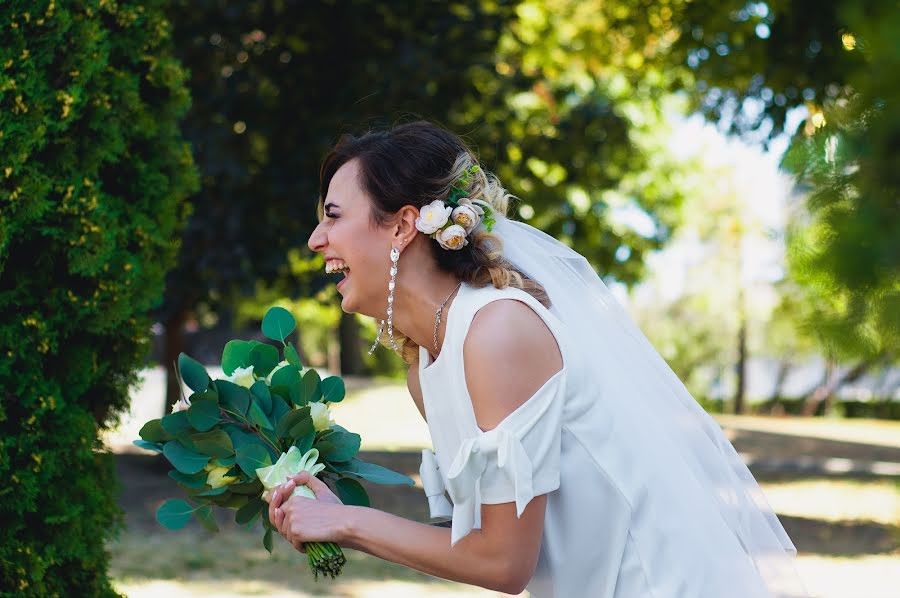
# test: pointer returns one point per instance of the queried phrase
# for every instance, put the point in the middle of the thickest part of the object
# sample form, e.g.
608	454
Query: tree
94	175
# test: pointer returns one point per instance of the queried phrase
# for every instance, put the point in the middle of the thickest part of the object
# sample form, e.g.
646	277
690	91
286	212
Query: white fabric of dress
619	522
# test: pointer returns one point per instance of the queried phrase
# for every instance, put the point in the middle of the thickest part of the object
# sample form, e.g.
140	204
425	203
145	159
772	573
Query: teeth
336	266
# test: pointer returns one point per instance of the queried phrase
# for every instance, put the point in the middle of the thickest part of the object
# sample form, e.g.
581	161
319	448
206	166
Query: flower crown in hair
450	221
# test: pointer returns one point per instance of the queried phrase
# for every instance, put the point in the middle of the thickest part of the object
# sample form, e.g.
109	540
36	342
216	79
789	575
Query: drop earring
395	258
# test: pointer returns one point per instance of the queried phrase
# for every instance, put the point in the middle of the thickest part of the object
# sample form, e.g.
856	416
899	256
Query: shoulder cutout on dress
509	353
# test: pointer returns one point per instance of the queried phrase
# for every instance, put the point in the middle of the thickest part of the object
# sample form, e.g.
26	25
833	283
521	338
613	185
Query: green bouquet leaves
278	323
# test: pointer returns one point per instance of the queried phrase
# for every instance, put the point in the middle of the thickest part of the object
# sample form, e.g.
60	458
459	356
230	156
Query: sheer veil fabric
649	392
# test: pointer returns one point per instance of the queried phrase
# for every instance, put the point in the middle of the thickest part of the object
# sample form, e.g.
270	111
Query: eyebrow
331	205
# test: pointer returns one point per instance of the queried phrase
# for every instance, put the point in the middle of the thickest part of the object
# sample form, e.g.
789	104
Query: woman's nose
317	239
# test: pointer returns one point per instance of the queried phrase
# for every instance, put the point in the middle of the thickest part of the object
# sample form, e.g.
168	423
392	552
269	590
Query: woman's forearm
474	560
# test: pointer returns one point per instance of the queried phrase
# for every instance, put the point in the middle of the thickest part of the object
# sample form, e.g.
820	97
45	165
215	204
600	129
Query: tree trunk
741	367
825	391
351	351
173	346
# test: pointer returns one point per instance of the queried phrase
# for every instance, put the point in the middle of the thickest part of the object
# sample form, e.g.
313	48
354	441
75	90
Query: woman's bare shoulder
508	354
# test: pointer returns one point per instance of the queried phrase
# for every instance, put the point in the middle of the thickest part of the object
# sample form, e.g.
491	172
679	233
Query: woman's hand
301	519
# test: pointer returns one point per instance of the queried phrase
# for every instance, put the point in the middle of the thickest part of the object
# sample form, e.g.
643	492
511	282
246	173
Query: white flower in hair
467	214
433	216
452	237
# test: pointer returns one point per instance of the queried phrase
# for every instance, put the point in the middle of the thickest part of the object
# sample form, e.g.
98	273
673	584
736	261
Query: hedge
94	175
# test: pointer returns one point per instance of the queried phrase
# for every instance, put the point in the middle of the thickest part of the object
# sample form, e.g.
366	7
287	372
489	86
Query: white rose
321	416
242	377
466	216
452	237
275	369
433	216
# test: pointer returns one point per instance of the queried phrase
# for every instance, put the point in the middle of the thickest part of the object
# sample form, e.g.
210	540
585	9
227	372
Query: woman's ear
405	226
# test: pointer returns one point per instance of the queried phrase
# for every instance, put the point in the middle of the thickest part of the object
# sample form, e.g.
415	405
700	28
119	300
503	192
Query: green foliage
93	177
219	447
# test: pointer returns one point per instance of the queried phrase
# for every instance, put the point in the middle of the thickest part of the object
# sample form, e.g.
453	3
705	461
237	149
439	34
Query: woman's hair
415	164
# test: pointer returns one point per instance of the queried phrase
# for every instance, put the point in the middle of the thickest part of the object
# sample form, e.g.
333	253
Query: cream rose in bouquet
235	439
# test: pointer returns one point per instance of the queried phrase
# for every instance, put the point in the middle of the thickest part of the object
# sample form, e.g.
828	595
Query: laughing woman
575	461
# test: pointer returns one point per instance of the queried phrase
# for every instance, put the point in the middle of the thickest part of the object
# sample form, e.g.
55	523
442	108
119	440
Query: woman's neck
417	297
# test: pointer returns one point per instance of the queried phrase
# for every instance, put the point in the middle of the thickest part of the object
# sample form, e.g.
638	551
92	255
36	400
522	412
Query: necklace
437	316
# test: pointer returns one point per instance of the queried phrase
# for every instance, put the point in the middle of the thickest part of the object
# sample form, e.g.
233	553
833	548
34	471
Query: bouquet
234	440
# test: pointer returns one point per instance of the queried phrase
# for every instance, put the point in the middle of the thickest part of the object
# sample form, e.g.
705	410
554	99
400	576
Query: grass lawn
846	529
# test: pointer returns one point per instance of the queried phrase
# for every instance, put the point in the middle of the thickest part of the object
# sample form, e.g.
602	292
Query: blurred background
730	168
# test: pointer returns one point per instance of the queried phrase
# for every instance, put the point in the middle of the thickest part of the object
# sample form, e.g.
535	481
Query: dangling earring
395	257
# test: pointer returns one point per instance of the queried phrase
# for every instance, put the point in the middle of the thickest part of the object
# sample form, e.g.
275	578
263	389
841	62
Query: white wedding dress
623	517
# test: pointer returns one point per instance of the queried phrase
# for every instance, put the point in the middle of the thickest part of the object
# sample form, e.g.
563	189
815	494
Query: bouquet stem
326	558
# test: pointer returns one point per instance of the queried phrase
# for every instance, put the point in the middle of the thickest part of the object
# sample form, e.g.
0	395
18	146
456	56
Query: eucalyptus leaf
225	461
175	423
251	457
345	445
153	431
233	397
278	323
236	355
193	373
230	501
267	540
254	488
305	442
292	357
311	387
333	389
206	519
261	392
203	414
373	473
215	443
196	481
263	358
289	378
150	446
291	419
351	492
174	514
249	511
258	416
279	408
214	491
182	459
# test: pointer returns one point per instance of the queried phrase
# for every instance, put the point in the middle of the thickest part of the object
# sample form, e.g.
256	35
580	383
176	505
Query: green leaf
249	511
193	373
305	442
203	414
153	431
196	481
263	358
278	323
182	459
310	387
267	540
215	444
302	428
373	473
174	514
291	419
292	357
225	461
254	488
214	491
251	457
230	501
346	445
205	517
261	392
236	355
289	378
258	416
351	492
233	397
176	423
333	389
150	446
279	408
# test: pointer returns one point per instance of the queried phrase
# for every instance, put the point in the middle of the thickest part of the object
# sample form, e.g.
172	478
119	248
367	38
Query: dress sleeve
514	462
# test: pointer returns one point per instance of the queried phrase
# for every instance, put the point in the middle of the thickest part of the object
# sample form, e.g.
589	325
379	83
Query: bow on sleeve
470	464
434	486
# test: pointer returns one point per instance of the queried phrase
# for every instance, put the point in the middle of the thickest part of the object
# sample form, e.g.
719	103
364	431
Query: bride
575	461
